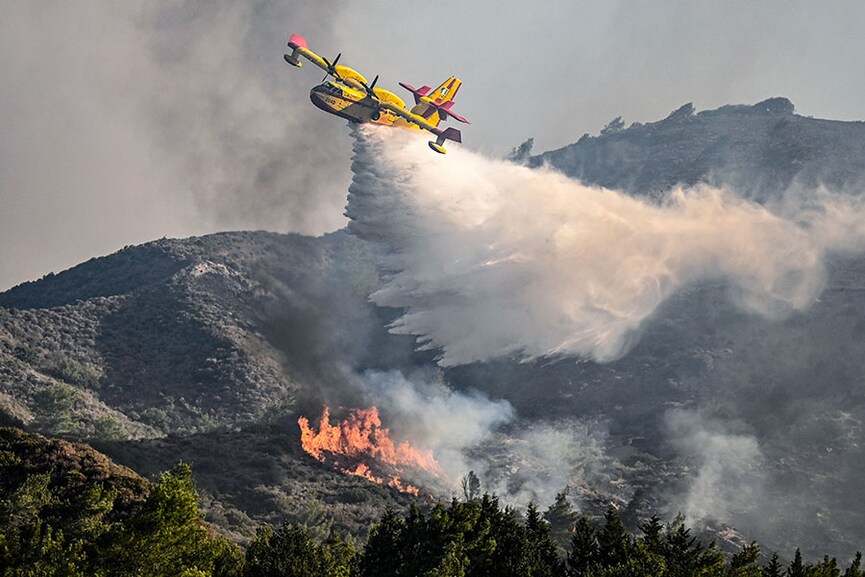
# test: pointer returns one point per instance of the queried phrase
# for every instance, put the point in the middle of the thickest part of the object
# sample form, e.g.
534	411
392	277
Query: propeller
369	92
331	67
369	87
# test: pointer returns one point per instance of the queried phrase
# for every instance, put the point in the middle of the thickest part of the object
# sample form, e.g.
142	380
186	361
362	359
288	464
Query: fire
361	440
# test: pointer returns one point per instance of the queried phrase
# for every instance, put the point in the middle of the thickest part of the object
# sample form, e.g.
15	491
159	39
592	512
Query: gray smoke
467	431
728	479
447	422
124	122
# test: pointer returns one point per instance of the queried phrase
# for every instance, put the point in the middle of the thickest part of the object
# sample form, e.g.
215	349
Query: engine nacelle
350	76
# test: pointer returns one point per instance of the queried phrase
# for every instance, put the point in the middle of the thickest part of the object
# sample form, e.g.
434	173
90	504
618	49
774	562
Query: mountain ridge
182	347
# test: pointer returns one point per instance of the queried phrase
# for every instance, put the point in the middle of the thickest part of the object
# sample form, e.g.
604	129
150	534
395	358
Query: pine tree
562	519
774	567
653	535
745	563
797	568
828	567
614	541
288	552
854	569
167	537
543	560
584	549
382	554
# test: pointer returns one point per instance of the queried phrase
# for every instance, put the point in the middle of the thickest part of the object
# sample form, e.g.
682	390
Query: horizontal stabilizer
445	112
418	92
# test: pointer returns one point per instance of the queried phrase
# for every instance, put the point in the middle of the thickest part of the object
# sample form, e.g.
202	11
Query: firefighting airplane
352	98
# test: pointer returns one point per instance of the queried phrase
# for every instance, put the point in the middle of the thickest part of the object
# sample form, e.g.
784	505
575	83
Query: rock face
209	348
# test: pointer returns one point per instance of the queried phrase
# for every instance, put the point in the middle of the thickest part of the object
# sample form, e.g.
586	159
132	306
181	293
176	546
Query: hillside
182	336
67	509
209	348
760	150
195	339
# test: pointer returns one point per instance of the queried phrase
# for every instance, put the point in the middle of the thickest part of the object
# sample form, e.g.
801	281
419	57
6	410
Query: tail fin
446	91
436	106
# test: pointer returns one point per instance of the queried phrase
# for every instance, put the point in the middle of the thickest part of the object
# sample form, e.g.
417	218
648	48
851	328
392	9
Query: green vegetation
65	369
66	510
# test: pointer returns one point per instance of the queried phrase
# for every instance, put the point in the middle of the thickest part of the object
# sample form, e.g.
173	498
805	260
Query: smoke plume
466	430
447	422
727	481
491	259
124	122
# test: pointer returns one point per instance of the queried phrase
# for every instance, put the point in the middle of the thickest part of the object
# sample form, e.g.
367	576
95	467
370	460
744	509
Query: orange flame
361	438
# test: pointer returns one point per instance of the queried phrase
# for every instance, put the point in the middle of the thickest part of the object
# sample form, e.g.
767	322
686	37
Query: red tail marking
297	41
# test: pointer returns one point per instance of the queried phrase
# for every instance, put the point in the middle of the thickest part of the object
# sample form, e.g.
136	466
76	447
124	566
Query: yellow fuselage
351	104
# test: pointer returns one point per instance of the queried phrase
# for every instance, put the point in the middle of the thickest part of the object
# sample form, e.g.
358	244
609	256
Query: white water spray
492	259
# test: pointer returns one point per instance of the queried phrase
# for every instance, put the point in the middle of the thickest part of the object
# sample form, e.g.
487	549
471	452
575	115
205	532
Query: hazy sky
125	122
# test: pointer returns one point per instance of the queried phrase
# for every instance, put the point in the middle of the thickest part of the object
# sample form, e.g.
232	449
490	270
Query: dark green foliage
26	354
69	371
465	539
855	567
542	556
685	555
67	510
584	554
773	568
167	536
562	519
614	541
612	551
828	567
746	563
797	567
55	404
663	550
291	552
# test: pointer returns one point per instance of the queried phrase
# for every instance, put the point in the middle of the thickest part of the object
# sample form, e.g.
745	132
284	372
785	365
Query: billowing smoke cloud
535	461
237	119
518	461
492	259
447	422
125	122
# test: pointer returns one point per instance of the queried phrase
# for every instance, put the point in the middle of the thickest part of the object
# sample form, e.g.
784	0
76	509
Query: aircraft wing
449	133
413	118
299	48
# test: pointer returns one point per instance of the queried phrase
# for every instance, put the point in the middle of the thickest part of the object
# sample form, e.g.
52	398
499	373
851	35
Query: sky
126	122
